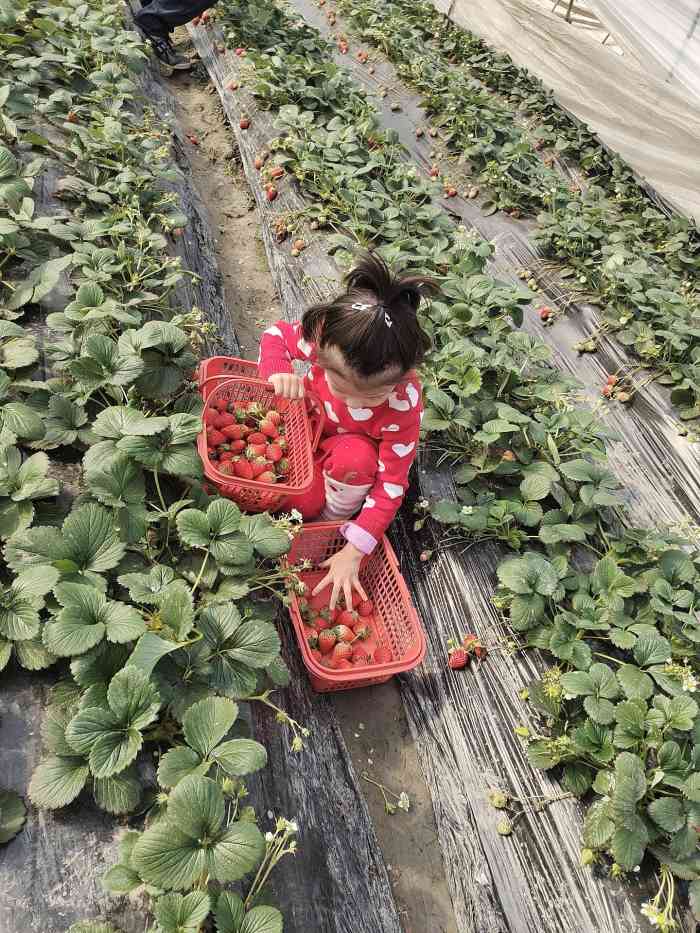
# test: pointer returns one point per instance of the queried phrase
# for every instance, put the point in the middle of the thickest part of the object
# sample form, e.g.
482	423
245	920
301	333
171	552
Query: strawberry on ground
458	659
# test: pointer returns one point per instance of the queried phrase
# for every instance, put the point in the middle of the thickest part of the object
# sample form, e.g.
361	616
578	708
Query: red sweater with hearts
394	426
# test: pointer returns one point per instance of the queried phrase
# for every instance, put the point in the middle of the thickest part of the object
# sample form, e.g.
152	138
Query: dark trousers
158	18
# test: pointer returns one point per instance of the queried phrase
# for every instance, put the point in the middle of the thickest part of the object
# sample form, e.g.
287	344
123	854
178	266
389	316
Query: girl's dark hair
374	322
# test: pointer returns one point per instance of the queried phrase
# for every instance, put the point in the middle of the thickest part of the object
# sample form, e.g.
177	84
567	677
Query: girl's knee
353	460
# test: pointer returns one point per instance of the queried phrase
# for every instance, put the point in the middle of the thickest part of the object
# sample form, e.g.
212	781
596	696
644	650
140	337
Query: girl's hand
343	570
288	385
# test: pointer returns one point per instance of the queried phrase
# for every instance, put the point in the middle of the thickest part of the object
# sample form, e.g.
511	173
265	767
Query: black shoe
166	54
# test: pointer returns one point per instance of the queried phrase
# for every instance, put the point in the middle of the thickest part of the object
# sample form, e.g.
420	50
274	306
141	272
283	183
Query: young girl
362	347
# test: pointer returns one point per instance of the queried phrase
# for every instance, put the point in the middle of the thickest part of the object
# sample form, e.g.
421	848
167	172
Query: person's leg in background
156	20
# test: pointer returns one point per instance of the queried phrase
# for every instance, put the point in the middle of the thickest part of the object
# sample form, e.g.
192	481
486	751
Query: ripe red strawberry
268	428
450	192
480	651
257	437
277	172
434	172
243	469
260	466
382	655
237	447
365	608
221	404
341	664
347	617
253	451
316	654
244	123
224	420
275	417
344	633
326	641
216	438
210	415
360	655
270	192
225	455
356	599
363	632
458	659
545	313
343	649
470	641
274	453
613	380
233	430
267	477
606	391
232	86
320	623
241	52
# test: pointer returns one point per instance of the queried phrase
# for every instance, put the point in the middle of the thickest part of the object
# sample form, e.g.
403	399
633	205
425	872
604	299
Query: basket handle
315	400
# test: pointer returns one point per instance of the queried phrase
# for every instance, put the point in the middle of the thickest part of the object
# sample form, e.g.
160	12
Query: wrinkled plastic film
643	104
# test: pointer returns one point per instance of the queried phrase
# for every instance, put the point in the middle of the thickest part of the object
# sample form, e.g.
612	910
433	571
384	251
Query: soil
373	721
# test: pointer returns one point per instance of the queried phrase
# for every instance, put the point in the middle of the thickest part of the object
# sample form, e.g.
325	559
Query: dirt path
373	721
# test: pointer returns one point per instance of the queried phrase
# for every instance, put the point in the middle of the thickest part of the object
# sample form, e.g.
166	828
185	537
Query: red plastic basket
396	627
302	440
215	369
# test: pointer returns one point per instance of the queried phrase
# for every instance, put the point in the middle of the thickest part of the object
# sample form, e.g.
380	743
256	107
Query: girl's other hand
288	385
343	574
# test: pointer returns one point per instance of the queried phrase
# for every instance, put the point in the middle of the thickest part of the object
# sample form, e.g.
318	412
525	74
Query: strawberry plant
137	588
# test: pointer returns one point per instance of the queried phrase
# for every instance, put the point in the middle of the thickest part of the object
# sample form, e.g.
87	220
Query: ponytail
375	321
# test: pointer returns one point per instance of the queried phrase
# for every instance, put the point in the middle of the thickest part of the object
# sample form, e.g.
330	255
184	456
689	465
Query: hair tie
359	306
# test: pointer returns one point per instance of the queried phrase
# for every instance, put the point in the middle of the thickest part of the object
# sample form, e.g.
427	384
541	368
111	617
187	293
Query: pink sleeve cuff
270	366
360	538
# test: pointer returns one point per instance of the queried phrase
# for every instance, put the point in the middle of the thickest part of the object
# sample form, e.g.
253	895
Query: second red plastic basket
396	625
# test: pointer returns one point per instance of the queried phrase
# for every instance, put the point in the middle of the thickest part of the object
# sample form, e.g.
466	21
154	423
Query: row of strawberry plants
612	244
142	591
617	718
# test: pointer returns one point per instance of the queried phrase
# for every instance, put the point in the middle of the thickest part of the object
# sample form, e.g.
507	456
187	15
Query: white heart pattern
331	414
413	394
398	404
393	490
380	466
274	331
305	347
391	427
360	414
369	502
403	450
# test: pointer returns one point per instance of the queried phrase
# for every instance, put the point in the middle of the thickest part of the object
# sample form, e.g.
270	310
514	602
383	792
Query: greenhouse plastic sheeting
643	104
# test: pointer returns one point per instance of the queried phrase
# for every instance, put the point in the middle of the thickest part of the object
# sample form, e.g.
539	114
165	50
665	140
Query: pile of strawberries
340	639
246	440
